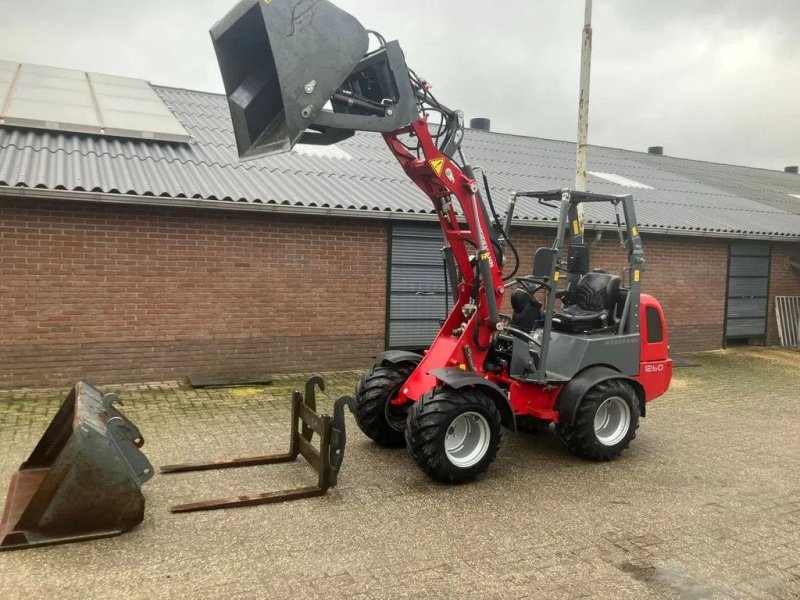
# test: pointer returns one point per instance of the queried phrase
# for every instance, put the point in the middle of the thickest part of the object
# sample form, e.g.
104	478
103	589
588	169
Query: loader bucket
82	480
281	61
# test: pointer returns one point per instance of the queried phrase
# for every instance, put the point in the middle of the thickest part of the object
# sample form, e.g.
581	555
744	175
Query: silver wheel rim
612	421
467	439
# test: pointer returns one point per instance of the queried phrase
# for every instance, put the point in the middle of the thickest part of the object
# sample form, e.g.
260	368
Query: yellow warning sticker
557	276
437	164
576	227
637	275
635	232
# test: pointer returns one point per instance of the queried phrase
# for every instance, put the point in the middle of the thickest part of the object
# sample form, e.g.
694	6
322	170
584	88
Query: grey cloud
714	80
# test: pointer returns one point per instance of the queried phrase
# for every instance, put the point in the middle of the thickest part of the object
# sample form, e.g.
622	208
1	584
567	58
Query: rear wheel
453	435
381	421
606	423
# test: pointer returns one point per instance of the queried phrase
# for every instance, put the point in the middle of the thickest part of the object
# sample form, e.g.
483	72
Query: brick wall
784	281
119	293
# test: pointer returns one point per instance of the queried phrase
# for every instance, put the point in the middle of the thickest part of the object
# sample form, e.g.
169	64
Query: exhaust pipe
300	71
82	481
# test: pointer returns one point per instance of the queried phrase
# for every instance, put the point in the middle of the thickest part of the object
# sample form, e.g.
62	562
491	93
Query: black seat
593	302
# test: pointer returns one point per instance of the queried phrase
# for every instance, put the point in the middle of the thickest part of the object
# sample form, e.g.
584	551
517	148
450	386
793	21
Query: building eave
11	192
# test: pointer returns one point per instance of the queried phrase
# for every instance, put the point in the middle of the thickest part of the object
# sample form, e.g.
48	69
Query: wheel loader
583	349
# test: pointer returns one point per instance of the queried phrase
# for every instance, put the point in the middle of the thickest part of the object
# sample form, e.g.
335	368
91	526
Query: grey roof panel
360	174
771	188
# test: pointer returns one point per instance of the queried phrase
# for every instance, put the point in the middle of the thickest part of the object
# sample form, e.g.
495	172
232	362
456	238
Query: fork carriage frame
305	422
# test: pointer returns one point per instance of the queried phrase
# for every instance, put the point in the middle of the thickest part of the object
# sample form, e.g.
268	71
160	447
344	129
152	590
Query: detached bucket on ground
82	481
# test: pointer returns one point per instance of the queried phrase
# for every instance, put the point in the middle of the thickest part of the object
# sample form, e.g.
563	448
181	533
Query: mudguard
571	396
395	357
458	379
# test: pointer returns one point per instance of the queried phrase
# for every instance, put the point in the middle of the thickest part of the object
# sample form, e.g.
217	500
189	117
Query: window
655	330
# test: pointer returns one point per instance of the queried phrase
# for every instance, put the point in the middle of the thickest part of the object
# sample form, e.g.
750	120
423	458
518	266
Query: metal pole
583	110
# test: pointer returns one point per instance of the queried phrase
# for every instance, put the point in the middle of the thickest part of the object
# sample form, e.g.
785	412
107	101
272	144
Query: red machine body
590	365
442	180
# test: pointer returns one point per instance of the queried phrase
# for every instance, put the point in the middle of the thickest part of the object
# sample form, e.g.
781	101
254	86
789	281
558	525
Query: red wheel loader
583	349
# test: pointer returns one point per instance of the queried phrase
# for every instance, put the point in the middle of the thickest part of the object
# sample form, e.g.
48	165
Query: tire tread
579	437
429	419
373	391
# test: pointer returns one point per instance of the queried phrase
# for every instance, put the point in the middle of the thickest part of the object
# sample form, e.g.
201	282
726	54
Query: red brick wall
784	281
119	293
686	274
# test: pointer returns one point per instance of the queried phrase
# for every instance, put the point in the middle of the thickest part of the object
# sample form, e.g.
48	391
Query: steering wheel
529	280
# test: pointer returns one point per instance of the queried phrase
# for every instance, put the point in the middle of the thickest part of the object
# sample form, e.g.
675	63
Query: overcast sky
714	80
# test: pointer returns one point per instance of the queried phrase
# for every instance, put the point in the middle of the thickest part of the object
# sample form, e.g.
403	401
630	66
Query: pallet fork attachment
305	422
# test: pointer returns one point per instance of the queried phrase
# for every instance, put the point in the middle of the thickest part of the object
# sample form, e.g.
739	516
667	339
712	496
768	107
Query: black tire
373	392
427	428
581	438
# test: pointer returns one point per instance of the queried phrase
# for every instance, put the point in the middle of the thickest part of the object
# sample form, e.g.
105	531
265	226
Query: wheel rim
612	421
467	439
396	415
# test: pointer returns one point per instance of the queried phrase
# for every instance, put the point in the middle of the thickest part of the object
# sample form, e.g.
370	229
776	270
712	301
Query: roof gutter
169	202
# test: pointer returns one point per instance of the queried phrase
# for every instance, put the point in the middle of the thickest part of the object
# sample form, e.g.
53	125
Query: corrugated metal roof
687	196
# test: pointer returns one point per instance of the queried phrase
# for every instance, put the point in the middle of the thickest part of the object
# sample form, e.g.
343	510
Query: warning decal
437	164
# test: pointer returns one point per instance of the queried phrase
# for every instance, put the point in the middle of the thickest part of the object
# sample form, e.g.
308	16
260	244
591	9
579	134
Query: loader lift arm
303	72
468	332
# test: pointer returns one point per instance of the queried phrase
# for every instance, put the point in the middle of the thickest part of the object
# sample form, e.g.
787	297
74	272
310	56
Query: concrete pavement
705	504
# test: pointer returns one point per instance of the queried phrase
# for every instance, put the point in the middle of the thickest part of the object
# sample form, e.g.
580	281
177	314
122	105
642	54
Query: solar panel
75	101
8	71
129	107
53	99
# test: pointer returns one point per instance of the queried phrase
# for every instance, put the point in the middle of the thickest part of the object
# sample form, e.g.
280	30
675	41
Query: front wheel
453	435
606	423
376	416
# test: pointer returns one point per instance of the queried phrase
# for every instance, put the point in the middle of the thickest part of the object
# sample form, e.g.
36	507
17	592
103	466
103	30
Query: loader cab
566	315
589	299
